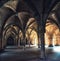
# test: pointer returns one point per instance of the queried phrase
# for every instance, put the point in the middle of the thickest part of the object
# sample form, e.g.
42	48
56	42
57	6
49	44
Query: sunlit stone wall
56	37
52	35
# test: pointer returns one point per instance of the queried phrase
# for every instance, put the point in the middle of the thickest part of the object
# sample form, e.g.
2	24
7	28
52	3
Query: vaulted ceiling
18	12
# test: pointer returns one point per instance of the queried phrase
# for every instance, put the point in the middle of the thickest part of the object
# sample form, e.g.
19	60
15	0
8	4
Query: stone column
42	45
0	40
29	37
50	40
29	40
19	43
0	43
56	40
18	40
41	32
39	43
24	39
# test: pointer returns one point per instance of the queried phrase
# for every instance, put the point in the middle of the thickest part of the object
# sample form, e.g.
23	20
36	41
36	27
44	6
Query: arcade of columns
40	35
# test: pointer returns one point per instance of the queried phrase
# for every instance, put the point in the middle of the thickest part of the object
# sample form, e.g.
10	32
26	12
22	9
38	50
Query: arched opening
20	40
49	35
52	37
31	37
10	36
10	41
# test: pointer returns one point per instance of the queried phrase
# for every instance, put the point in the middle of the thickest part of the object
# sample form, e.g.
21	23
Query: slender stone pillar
41	32
0	41
29	41
24	40
57	41
29	37
42	45
19	43
50	41
1	45
39	43
18	39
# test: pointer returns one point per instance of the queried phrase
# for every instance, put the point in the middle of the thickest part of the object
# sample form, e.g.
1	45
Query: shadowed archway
10	41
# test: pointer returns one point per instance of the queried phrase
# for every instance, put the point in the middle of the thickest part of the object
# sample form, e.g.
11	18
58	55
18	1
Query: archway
49	35
10	41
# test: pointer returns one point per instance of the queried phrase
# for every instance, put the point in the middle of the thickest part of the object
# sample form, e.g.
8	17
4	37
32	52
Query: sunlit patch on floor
56	48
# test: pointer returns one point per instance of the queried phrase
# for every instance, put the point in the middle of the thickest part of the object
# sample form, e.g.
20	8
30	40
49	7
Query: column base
29	46
2	49
56	45
50	45
18	46
39	45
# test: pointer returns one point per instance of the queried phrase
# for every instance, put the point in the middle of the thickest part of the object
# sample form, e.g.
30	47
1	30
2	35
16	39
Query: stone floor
30	54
